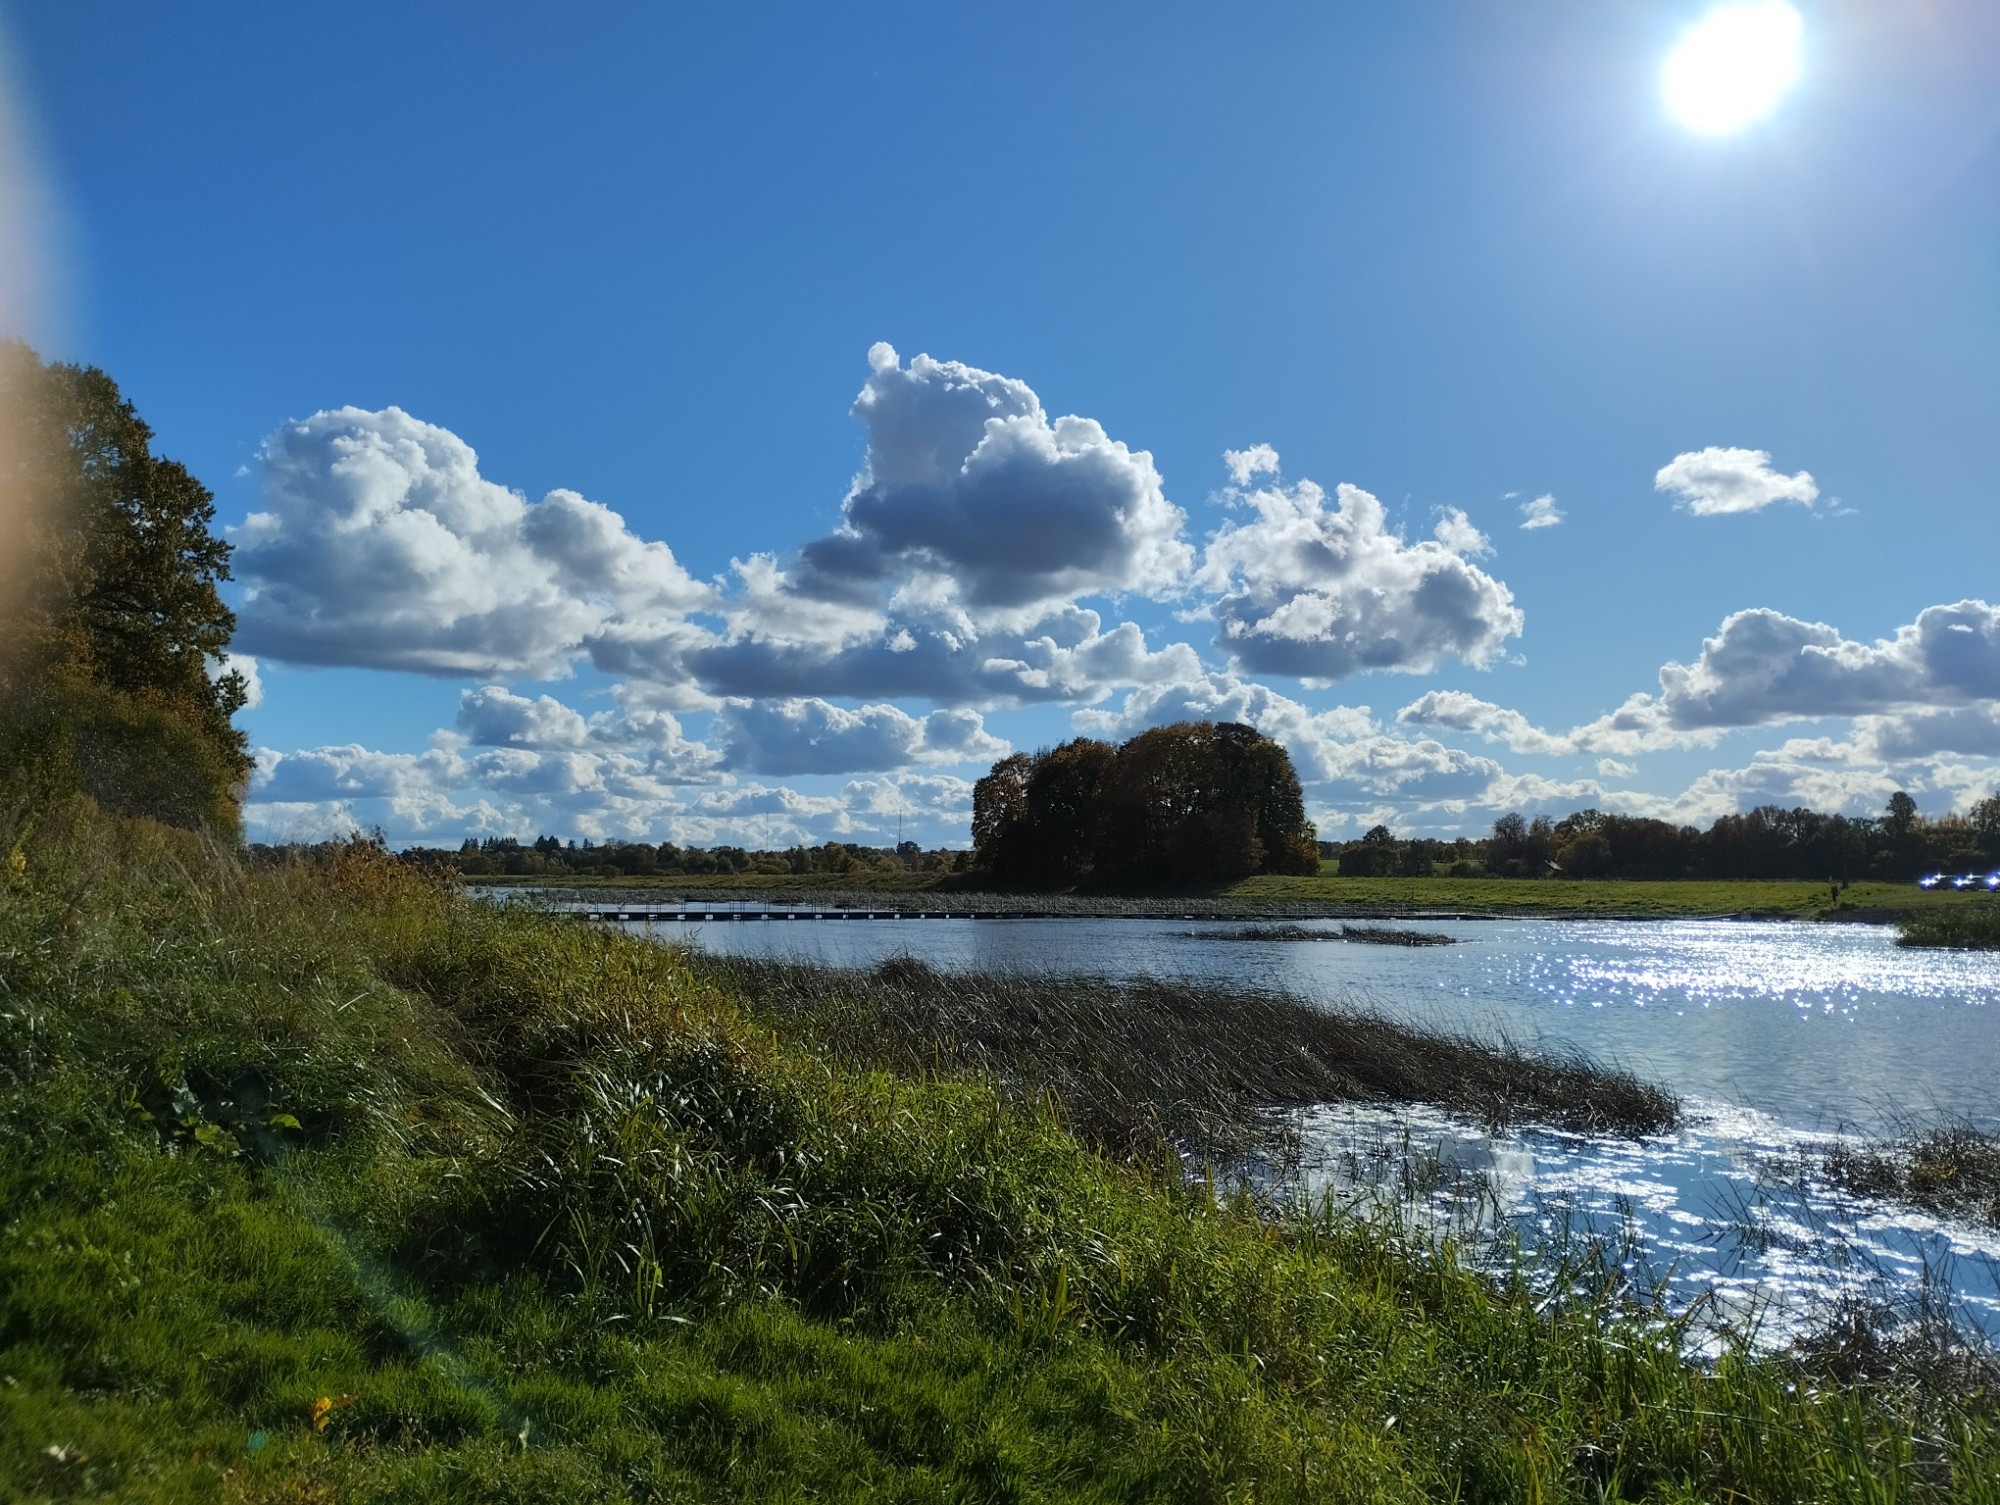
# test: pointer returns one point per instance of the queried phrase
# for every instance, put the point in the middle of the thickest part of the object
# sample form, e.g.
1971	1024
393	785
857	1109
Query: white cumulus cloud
968	481
380	545
1716	480
1542	512
1245	465
812	736
646	740
1322	592
1763	666
1455	710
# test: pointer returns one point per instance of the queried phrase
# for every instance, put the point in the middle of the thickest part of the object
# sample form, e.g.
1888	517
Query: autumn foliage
1195	802
112	634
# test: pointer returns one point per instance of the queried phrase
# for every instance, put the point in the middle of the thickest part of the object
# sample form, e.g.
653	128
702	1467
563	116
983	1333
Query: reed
1952	1170
1129	1061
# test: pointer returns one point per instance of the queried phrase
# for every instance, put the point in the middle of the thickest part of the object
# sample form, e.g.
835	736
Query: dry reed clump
1375	935
1952	1170
1130	1061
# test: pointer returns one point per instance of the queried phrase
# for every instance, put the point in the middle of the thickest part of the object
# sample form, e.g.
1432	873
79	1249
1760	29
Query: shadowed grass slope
326	1184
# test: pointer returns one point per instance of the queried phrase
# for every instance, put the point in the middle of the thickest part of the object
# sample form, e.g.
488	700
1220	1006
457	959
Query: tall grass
325	1183
1963	927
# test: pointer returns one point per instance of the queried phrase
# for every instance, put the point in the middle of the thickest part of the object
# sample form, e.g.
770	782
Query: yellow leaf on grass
324	1407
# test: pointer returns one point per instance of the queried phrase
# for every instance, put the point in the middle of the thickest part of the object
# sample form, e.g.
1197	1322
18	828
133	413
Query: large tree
111	622
1194	802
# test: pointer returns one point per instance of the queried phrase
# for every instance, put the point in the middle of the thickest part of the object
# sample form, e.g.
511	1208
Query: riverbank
1279	898
327	1183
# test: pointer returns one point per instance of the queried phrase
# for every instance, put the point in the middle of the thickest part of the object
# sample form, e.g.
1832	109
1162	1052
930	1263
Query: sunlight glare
1733	66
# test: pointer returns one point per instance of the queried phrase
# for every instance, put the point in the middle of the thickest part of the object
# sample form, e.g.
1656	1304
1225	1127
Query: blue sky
795	408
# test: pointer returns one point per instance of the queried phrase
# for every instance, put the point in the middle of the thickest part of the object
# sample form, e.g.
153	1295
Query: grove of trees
111	629
549	856
1195	802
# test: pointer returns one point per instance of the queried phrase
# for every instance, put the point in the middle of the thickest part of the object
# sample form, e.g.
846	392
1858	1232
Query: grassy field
1608	898
1330	894
325	1184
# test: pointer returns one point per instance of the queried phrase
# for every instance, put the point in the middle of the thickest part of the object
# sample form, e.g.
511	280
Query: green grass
1598	897
1354	897
545	1215
1966	926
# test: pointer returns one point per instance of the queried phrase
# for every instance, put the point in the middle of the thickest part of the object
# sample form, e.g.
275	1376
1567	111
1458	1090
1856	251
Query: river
1778	1036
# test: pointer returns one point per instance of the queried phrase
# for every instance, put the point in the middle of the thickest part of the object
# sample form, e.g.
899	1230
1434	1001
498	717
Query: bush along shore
323	1182
1962	927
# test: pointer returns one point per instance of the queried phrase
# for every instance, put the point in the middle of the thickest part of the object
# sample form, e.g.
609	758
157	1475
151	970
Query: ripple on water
1728	1209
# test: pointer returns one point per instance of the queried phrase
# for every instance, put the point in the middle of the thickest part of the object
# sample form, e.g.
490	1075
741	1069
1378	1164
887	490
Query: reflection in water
1775	1033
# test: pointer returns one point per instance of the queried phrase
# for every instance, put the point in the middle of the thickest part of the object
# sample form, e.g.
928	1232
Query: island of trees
1195	802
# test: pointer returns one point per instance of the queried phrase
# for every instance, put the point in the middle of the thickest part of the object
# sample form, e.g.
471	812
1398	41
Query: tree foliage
1198	801
1769	842
112	624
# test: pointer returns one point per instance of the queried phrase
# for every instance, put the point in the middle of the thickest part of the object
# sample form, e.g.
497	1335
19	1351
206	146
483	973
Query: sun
1733	66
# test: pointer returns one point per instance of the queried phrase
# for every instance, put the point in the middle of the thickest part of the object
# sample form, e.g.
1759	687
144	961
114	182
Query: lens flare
25	312
1733	66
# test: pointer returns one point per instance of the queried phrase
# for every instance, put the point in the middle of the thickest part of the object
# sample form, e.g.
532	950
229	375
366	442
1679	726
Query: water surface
1776	1035
1820	1026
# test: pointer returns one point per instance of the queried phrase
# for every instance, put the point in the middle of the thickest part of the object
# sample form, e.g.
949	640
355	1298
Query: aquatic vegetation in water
1377	935
1952	1170
1134	1060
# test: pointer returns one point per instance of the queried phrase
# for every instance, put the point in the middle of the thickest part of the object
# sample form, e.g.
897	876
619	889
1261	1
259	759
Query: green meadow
323	1182
1603	898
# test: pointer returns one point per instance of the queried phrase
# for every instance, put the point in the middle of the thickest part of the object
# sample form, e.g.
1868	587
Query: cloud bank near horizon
991	558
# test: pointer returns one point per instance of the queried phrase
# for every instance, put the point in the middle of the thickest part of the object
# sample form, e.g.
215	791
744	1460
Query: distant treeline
1195	802
548	856
1768	842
